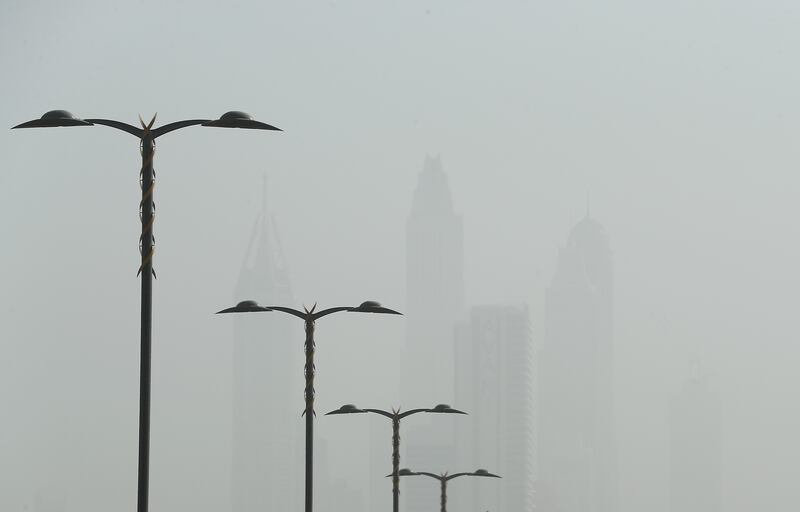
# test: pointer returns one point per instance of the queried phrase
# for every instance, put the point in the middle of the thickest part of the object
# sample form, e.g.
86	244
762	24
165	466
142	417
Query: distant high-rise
331	488
434	303
434	285
695	448
577	470
266	381
494	372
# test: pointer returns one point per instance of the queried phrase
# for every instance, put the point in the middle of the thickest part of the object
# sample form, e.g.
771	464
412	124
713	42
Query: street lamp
444	478
395	416
147	136
309	317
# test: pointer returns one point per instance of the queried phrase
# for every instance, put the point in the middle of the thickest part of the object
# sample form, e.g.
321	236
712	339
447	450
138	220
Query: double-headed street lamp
396	416
147	136
444	478
309	317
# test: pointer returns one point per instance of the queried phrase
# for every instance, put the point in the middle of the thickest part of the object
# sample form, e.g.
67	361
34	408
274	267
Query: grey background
677	120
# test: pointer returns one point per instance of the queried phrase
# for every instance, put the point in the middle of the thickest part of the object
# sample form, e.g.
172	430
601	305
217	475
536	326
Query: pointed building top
433	164
264	272
586	258
432	195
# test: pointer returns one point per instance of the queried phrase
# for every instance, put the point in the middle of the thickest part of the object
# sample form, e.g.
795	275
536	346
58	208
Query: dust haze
587	212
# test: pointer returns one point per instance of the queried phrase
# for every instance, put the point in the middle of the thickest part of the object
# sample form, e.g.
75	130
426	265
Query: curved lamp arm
291	311
352	409
125	127
455	475
161	130
381	412
433	475
233	119
328	311
412	411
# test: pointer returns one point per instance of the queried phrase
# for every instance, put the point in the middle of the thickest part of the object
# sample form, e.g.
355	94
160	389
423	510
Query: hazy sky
677	119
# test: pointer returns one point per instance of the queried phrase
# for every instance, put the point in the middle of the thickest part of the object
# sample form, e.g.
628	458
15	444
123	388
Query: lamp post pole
309	317
395	415
444	478
146	269
308	394
147	136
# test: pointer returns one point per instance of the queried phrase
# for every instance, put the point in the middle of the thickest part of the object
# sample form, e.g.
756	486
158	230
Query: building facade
434	284
577	459
434	303
695	448
494	372
267	394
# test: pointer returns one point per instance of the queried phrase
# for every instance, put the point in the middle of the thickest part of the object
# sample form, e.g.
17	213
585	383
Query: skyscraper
434	303
695	448
494	372
267	398
577	470
434	285
331	488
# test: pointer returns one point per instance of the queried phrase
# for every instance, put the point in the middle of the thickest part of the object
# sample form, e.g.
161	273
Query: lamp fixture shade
55	118
245	306
371	306
238	119
346	409
444	408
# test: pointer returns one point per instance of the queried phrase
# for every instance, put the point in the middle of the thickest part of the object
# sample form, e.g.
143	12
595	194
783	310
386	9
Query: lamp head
55	118
483	472
246	306
444	408
371	306
346	409
238	119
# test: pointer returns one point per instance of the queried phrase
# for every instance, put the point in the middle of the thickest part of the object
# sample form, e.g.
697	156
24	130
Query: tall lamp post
309	317
444	478
395	415
147	136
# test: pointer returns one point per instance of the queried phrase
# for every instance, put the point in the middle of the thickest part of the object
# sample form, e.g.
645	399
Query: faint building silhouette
695	447
331	490
267	397
434	284
577	458
380	460
427	449
49	499
494	372
434	303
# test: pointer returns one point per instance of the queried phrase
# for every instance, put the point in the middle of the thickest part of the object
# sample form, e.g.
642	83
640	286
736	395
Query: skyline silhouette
677	119
266	395
576	448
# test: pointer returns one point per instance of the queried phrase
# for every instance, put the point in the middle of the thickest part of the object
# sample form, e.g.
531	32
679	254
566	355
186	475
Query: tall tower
577	448
494	372
434	285
695	448
434	303
267	399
